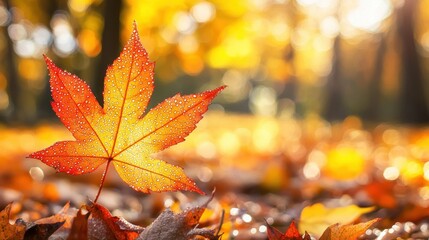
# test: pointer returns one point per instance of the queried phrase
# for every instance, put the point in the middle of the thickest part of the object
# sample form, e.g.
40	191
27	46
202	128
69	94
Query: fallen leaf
122	133
413	213
61	216
290	234
42	231
382	193
347	232
179	226
102	225
79	228
316	218
7	230
50	226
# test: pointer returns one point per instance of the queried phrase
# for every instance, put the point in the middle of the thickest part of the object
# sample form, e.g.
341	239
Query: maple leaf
290	234
122	133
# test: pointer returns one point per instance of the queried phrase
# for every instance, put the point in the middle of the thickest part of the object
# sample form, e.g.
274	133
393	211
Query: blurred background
327	101
293	58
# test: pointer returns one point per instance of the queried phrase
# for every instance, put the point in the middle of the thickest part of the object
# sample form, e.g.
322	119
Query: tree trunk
13	88
375	92
413	104
334	108
110	42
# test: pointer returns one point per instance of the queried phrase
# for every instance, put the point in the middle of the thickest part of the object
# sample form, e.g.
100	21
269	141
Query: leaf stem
102	181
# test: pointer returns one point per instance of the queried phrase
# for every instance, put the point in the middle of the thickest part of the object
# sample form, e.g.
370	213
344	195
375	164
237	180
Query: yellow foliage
344	163
316	218
411	170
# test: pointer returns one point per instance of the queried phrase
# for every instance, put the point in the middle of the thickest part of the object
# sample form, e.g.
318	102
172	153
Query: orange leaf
347	232
122	133
7	230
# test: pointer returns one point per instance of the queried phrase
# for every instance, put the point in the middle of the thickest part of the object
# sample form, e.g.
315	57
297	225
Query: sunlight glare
391	173
426	171
311	171
368	14
263	101
17	32
329	27
25	48
246	218
203	11
185	24
206	150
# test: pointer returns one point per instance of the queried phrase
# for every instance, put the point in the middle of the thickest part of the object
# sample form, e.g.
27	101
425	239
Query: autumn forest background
327	102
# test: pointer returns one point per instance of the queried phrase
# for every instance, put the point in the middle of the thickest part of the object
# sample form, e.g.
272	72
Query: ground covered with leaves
266	172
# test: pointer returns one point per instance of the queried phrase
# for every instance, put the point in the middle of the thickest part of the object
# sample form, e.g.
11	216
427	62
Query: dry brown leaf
347	232
7	230
178	226
79	228
102	225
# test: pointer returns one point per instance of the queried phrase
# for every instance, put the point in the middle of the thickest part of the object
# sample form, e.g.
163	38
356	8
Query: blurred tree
44	100
334	108
13	87
372	111
413	103
110	42
295	50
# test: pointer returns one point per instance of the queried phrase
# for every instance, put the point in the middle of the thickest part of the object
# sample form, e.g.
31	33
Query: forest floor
265	171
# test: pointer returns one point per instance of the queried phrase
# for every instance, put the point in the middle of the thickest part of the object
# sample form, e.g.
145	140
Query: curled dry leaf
62	221
181	226
347	232
79	227
48	227
122	133
7	230
42	230
102	225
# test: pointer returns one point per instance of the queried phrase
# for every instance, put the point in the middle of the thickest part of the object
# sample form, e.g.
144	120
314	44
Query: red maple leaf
122	133
290	234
